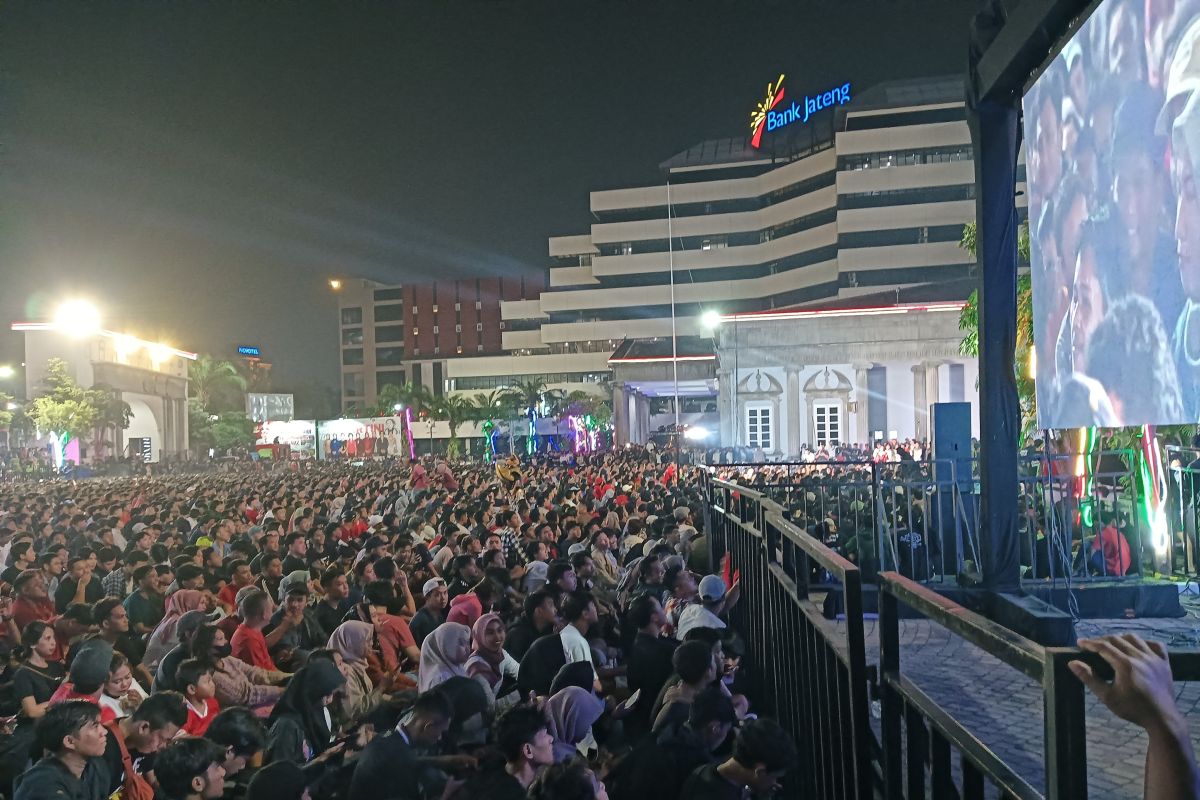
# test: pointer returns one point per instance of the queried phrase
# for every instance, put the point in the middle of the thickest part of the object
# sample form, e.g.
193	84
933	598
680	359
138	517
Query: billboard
374	437
1112	142
270	407
301	434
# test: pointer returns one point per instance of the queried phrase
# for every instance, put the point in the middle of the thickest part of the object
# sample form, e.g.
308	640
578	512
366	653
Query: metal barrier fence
1183	511
921	519
812	674
813	681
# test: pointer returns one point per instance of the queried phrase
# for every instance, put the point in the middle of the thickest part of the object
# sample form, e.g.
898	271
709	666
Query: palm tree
455	410
209	379
413	397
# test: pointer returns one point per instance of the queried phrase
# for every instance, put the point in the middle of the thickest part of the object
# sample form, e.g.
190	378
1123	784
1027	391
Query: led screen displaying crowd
1112	131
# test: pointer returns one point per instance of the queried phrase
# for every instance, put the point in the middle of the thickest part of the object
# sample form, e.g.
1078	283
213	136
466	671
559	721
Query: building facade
407	334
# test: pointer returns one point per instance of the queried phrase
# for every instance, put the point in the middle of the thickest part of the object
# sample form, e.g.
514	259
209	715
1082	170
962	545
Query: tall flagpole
674	341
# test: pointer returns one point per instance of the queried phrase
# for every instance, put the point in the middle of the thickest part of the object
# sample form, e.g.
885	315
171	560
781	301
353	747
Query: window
478	348
714	243
478	326
478	305
414	311
460	349
436	349
626	249
389	294
389	313
458	306
458	328
389	356
435	329
827	423
352	357
416	332
351	336
435	308
389	333
390	378
352	384
760	432
352	316
585	260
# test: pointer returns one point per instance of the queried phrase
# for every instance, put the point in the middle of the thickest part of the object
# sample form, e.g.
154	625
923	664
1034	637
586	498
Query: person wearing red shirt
1113	547
195	680
248	642
33	601
240	575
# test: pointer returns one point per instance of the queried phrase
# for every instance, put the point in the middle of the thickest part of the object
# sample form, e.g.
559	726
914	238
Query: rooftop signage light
766	117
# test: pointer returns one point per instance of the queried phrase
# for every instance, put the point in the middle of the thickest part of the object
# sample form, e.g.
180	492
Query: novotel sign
768	116
245	350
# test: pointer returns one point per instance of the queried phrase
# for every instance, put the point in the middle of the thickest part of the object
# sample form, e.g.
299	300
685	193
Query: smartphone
631	701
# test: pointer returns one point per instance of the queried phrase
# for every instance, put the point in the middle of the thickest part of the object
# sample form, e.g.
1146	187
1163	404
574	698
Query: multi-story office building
864	206
407	334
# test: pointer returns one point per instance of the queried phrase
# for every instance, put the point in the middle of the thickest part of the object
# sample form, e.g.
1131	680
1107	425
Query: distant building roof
911	92
659	349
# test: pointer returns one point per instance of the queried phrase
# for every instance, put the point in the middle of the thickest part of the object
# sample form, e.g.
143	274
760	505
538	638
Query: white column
920	404
862	399
791	397
620	415
725	407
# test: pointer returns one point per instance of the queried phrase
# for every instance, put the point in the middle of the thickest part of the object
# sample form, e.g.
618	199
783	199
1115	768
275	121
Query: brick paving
1003	708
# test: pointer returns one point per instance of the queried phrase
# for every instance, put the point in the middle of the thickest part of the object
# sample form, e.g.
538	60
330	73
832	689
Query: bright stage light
696	433
160	353
335	284
6	371
711	319
77	318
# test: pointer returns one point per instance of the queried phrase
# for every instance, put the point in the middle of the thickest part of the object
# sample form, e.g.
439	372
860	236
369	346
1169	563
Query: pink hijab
165	637
485	663
465	609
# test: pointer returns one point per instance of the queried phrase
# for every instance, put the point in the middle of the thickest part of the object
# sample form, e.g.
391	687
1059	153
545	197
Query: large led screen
1112	144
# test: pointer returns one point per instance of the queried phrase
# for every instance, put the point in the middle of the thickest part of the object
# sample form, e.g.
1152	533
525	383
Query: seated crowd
387	632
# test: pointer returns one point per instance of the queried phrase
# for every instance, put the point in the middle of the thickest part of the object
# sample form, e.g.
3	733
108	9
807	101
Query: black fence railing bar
1183	512
809	676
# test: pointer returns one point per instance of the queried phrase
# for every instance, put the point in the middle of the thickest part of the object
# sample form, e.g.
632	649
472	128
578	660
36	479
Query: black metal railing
919	736
802	670
811	672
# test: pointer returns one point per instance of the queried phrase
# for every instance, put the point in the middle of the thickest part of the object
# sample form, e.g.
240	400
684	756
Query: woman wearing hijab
352	641
489	663
444	655
238	683
577	673
301	726
166	636
571	713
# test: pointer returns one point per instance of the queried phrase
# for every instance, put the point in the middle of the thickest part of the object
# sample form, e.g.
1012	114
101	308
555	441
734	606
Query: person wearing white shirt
705	614
579	612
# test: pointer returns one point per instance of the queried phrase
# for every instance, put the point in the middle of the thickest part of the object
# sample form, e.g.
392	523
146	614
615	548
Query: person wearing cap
86	677
704	614
293	631
433	612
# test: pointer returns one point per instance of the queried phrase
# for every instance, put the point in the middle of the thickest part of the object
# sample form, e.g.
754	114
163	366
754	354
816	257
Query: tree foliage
968	323
216	384
64	407
220	431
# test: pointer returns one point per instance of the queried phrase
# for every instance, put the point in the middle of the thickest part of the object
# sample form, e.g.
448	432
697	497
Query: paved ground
1003	708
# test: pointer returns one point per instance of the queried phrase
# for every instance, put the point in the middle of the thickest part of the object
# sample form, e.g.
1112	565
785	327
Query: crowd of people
556	631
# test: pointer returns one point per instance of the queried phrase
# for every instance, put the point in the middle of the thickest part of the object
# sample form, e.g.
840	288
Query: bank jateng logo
766	117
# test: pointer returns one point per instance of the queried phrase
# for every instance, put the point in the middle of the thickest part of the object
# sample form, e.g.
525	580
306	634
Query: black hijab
302	700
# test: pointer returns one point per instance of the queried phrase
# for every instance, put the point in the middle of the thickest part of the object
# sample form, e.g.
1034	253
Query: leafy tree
112	413
968	323
6	416
220	431
215	384
65	408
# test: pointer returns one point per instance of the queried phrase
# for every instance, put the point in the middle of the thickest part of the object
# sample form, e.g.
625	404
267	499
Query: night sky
200	169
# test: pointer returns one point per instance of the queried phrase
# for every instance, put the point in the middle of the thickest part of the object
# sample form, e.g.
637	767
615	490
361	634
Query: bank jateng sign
769	115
